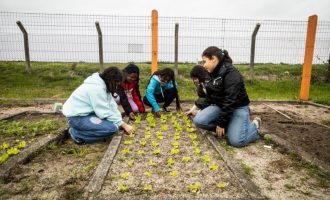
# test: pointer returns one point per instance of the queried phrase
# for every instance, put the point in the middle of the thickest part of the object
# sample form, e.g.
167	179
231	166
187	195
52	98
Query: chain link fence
74	38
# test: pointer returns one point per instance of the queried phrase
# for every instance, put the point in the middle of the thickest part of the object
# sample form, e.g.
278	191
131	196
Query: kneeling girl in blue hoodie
91	110
162	87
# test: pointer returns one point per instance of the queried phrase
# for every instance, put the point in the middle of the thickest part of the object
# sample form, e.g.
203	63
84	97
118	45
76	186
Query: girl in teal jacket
162	87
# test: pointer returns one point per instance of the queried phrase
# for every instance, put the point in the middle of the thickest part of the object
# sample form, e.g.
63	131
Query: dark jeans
169	96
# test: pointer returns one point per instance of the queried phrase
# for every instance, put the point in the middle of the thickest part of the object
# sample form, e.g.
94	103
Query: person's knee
236	142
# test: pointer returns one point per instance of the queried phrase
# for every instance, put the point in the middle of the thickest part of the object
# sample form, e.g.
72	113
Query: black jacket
226	89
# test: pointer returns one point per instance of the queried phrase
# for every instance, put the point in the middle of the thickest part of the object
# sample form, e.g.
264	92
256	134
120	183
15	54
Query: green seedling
132	135
130	163
159	137
222	184
163	120
156	151
122	188
4	146
128	142
3	158
13	151
125	175
179	114
186	159
197	151
21	145
206	159
174	173
175	144
195	188
125	151
147	136
138	119
190	130
195	143
141	152
147	188
151	163
154	144
193	136
164	128
143	143
175	151
170	162
214	167
176	137
148	173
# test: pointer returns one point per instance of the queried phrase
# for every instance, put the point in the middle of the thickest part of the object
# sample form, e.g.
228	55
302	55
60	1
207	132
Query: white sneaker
257	122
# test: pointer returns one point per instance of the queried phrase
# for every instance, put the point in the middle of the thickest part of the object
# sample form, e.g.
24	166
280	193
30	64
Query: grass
58	80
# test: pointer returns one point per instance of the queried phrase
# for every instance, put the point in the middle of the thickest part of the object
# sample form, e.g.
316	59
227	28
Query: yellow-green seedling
206	159
147	129
156	151
21	145
4	146
154	144
128	142
176	137
148	173
3	158
195	143
122	188
125	151
175	151
151	163
186	159
195	188
147	188
197	151
164	128
179	114
130	163
193	136
141	152
214	167
125	175
138	119
143	143
13	151
160	137
174	173
132	135
175	144
147	135
222	184
170	162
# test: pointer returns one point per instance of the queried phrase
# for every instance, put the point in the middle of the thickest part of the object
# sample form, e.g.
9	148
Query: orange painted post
308	60
154	41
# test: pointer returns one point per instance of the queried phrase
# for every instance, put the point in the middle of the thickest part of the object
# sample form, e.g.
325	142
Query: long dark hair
222	55
112	76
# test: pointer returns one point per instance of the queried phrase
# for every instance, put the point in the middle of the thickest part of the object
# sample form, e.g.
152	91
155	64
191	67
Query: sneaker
76	140
257	122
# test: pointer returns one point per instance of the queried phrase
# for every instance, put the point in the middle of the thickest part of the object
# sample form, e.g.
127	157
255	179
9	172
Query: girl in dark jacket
228	112
128	94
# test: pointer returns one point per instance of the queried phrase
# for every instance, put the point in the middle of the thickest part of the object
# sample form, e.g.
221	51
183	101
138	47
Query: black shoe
165	109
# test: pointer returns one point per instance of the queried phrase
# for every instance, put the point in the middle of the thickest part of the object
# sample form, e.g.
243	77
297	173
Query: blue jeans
240	131
90	128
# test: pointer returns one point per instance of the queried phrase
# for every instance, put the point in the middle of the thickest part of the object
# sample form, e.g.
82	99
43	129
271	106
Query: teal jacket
92	97
156	87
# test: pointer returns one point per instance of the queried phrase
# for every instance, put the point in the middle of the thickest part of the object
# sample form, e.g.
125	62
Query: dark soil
309	136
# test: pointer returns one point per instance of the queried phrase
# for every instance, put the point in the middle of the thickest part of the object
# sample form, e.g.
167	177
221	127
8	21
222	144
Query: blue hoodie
92	97
155	86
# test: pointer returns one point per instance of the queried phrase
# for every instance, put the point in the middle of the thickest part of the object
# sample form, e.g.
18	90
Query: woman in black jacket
228	112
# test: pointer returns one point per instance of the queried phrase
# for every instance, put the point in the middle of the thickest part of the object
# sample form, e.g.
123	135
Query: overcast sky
237	9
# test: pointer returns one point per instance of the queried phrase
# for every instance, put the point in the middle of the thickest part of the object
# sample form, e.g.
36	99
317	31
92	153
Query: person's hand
220	131
128	128
131	115
157	114
190	112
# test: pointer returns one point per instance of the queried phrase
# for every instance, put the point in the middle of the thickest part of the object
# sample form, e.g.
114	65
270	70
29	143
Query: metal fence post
328	79
253	46
99	32
26	47
154	41
176	45
308	59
